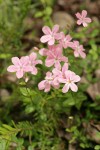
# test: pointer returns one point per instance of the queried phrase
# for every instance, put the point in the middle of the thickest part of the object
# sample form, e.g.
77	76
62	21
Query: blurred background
21	23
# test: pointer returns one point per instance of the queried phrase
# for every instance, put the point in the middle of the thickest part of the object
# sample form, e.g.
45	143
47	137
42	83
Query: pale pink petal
19	74
48	74
24	60
88	20
56	71
55	82
64	59
84	13
85	24
69	74
38	61
55	28
49	62
47	87
61	80
62	35
51	41
65	67
46	30
33	56
56	86
12	68
58	51
78	15
68	37
65	88
57	65
70	44
79	22
58	36
76	78
73	87
76	54
27	68
45	38
15	61
34	71
43	51
82	54
76	43
41	85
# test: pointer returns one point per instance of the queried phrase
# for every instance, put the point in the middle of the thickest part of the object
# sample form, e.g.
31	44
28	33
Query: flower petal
82	54
34	70
65	67
12	68
41	85
78	15
45	38
16	61
62	80
85	24
24	60
55	28
73	87
47	87
19	74
51	41
76	78
65	88
46	30
84	13
88	20
57	65
58	36
27	68
79	22
76	54
33	56
49	62
43	51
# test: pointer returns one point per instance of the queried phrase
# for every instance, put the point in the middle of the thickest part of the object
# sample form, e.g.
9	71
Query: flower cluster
54	57
58	76
57	43
24	64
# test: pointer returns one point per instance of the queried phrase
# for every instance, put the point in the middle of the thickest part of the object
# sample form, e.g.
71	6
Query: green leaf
25	91
8	127
48	11
97	147
39	14
31	147
3	144
69	102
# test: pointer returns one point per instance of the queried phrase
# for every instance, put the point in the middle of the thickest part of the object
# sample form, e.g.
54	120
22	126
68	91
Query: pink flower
55	56
43	51
78	49
47	83
50	35
20	66
65	40
82	18
33	62
59	73
69	80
